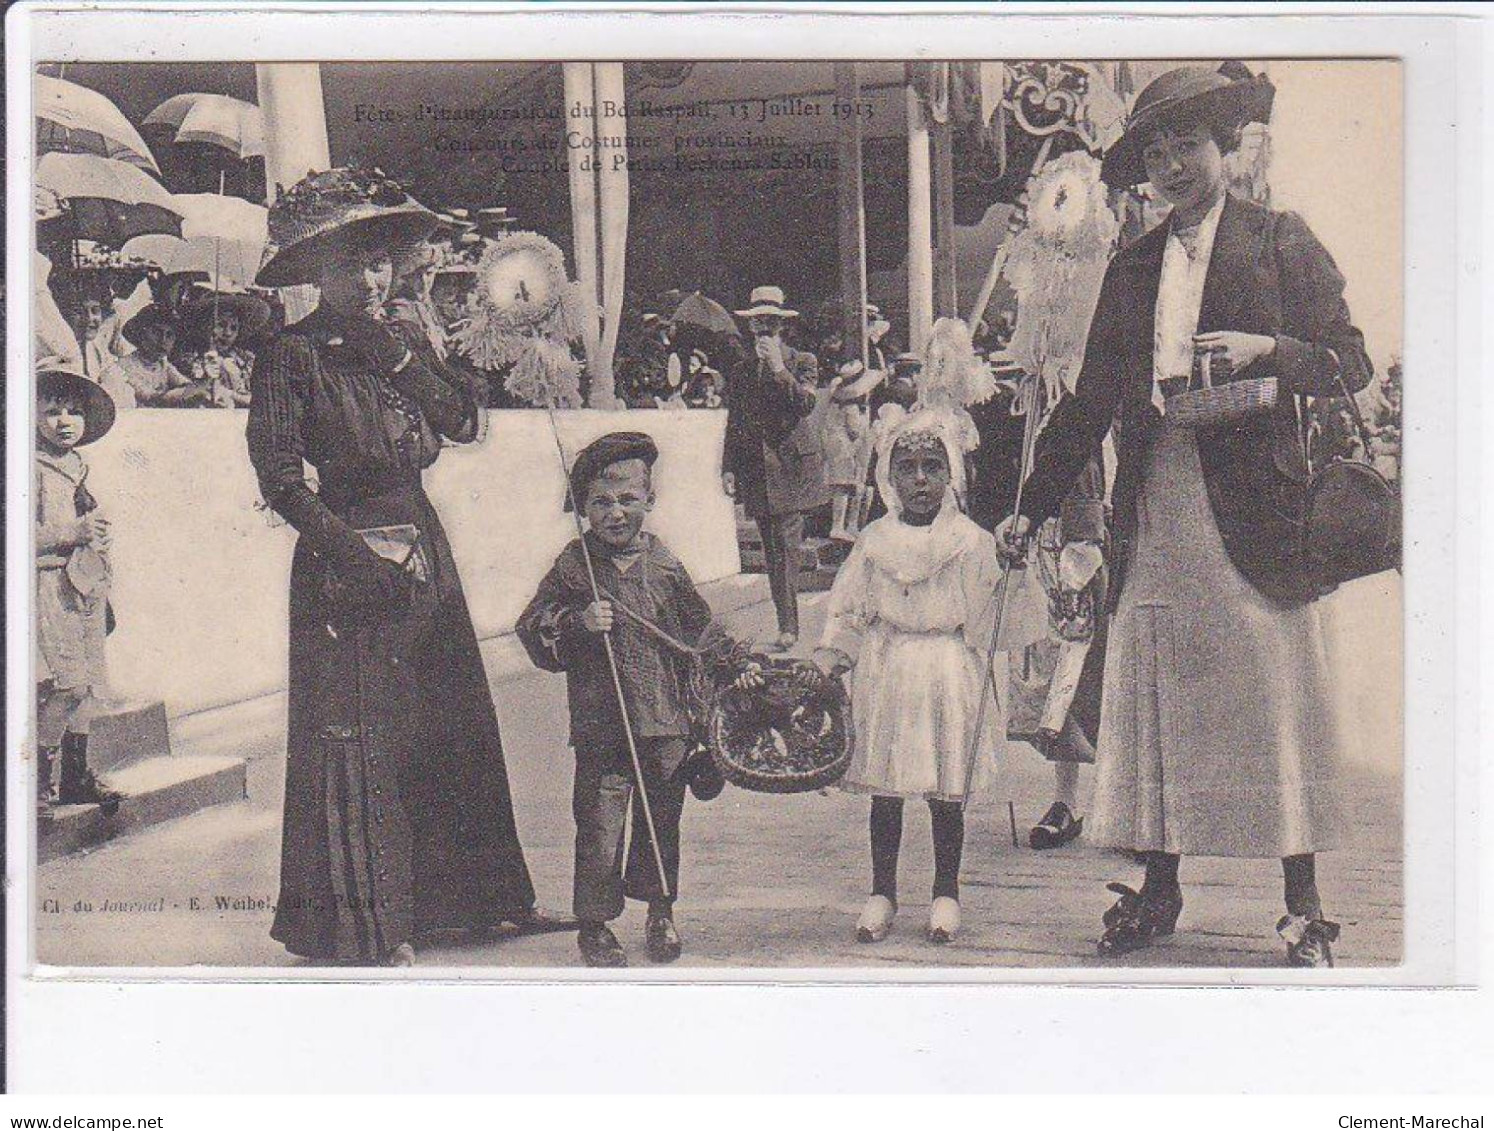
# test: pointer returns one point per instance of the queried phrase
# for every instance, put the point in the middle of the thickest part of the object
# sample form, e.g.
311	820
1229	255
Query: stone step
122	733
155	790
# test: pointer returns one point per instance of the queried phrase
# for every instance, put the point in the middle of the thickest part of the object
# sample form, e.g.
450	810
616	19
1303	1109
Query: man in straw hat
398	817
1214	631
774	461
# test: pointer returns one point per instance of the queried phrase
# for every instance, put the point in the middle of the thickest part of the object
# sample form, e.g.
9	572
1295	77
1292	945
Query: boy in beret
647	604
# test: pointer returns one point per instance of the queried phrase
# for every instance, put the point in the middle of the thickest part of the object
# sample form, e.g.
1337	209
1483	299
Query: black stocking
1161	873
949	842
886	839
1301	876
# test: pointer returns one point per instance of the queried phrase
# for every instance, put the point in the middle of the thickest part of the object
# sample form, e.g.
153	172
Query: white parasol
74	119
214	119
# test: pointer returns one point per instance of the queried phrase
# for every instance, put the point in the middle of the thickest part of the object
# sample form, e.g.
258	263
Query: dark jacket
1268	275
653	674
772	445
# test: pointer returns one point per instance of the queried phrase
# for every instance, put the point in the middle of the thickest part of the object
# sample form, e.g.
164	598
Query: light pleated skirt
914	702
1217	732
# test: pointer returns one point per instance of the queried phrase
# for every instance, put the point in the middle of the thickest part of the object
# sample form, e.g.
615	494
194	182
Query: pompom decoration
953	374
1056	264
525	315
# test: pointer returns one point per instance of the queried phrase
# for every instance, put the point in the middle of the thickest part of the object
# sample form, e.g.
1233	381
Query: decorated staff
1055	262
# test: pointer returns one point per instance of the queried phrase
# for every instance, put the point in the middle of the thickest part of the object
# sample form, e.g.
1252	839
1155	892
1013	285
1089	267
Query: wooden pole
579	84
941	134
920	227
851	213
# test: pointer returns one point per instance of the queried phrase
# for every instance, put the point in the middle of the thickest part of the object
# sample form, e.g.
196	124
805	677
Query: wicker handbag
791	735
1353	519
1209	401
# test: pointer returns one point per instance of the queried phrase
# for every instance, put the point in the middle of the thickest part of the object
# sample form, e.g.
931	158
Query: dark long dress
398	818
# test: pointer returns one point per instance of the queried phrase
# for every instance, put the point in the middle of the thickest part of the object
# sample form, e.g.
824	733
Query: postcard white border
919	1008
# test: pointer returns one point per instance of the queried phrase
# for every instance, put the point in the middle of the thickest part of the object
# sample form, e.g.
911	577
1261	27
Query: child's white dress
913	607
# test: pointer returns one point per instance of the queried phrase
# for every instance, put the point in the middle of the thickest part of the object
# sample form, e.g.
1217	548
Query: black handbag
1352	525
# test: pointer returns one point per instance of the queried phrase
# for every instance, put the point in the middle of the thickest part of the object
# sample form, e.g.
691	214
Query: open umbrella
225	217
73	119
230	265
107	201
216	119
706	313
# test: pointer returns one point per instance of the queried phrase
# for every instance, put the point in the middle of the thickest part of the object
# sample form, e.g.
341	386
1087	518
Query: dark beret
602	453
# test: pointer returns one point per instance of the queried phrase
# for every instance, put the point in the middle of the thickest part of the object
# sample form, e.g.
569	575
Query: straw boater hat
767	300
340	204
98	405
1187	93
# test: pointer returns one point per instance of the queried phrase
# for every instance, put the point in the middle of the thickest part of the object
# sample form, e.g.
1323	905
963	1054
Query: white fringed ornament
1056	264
525	314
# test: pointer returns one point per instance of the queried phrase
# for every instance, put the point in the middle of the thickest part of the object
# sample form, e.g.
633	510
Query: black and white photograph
699	516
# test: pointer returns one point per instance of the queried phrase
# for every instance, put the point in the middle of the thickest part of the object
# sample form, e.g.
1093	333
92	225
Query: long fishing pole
622	702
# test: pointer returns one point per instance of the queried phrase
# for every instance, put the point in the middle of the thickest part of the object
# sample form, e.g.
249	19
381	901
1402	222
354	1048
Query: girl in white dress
910	618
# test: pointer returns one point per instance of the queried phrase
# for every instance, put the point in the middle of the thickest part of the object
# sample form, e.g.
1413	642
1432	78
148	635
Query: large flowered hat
1189	93
350	203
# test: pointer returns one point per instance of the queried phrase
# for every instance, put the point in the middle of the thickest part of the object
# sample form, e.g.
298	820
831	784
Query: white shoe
876	919
944	919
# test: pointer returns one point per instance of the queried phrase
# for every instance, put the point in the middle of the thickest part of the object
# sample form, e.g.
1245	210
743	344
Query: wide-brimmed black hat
149	320
347	204
252	312
602	453
1196	93
98	405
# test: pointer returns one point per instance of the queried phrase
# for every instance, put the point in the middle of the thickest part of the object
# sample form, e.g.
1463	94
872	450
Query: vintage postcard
696	517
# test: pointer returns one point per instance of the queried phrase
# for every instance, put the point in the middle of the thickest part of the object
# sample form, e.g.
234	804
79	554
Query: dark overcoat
773	444
1268	275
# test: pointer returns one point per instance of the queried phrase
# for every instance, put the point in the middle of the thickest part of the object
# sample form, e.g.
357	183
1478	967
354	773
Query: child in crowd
649	608
219	373
910	617
147	378
72	588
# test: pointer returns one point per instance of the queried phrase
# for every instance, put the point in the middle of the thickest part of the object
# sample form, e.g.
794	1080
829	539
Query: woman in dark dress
398	819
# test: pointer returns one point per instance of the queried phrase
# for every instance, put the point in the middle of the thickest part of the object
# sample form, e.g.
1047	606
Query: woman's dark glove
376	343
367	584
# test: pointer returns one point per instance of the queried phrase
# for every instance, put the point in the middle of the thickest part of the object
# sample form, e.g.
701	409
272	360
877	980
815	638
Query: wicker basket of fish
791	735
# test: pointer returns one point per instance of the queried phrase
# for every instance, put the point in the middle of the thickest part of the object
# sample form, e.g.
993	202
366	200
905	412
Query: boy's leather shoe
599	946
662	938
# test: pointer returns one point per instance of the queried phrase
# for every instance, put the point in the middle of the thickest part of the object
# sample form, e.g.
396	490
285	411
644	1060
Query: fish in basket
792	734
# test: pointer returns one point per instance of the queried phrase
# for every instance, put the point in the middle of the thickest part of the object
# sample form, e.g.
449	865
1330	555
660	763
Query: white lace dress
913	608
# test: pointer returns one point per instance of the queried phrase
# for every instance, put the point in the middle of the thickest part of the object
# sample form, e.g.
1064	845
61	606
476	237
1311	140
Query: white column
580	101
295	118
920	227
612	176
290	100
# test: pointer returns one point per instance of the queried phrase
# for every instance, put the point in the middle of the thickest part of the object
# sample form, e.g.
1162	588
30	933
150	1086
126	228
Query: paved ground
768	881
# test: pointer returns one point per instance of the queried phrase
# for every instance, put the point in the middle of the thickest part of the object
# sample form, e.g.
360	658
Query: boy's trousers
600	801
